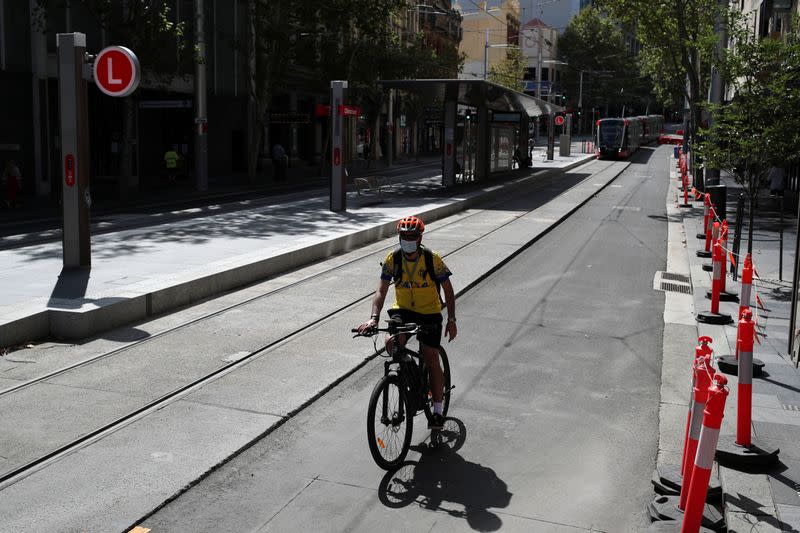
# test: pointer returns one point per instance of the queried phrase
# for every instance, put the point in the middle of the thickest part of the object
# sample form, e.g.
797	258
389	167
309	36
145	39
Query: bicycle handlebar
394	329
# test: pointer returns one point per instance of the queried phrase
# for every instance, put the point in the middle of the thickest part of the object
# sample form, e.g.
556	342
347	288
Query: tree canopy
610	76
678	45
760	127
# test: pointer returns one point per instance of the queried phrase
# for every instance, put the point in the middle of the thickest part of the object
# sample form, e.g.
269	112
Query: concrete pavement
760	500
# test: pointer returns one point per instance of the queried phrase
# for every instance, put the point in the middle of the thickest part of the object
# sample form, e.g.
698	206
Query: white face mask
408	247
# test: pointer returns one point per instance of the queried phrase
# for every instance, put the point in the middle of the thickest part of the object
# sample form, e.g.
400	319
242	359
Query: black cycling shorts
430	335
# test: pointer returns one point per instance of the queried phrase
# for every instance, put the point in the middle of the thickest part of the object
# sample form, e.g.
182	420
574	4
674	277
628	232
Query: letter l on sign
111	78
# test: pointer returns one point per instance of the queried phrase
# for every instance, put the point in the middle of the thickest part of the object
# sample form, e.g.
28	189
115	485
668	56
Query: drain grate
676	287
789	407
676	277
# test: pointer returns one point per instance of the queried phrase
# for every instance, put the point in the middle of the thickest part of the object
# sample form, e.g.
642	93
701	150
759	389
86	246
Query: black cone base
708	267
666	508
714	318
760	453
702	237
671	526
703	254
724	296
685	205
667	480
729	365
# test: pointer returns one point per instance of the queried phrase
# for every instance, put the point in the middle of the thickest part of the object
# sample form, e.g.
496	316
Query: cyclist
418	273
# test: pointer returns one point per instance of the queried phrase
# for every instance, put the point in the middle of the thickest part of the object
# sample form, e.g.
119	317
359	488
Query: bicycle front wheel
389	423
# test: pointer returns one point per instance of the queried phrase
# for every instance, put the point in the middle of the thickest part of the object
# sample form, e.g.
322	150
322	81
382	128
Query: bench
369	189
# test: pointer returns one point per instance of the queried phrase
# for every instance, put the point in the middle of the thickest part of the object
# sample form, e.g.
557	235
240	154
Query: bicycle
403	392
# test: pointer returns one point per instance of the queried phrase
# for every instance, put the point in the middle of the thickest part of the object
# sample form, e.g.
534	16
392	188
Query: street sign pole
74	150
338	197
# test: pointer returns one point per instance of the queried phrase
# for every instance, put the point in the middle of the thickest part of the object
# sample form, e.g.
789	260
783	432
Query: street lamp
486	52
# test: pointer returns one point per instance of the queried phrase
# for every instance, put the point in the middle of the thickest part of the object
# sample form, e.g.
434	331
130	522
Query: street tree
510	71
145	27
678	46
595	45
760	127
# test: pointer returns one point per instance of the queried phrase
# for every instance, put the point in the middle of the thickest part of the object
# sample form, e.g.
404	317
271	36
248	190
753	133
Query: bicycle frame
405	367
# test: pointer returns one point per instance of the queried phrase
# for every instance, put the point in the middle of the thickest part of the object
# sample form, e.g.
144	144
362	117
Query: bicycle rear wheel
445	364
389	423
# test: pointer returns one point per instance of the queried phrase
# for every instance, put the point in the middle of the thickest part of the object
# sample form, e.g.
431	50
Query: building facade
487	30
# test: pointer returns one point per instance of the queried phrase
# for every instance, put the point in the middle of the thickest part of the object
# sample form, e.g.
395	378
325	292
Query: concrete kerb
178	291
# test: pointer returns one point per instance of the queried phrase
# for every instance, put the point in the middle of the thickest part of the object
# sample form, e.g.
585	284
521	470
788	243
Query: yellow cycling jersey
415	290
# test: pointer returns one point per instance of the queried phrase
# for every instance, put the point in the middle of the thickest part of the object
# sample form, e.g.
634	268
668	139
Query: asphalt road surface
553	422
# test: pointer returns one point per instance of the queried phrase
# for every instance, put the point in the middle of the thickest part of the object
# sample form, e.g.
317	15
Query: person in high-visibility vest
171	159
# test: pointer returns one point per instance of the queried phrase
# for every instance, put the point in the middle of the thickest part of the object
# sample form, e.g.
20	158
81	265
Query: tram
651	127
617	137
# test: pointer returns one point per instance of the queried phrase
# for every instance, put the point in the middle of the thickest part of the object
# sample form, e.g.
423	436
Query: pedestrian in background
171	159
280	161
776	181
13	183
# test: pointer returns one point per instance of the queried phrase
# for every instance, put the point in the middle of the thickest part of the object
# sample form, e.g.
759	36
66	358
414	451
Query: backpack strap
397	264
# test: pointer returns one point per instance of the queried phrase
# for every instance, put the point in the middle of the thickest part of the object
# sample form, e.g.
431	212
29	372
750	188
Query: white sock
437	408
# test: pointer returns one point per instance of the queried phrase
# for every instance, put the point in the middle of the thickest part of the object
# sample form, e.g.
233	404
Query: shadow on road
443	481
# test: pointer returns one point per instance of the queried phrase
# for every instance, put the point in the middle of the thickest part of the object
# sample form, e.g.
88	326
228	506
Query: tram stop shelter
494	104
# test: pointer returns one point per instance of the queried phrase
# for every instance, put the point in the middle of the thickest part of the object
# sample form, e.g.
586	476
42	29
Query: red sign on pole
559	120
69	170
349	110
116	71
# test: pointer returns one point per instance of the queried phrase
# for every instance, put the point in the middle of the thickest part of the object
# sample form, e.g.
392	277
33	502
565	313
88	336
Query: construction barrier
701	381
709	236
704	459
709	267
714	316
744	398
724	295
745	452
685	191
706	215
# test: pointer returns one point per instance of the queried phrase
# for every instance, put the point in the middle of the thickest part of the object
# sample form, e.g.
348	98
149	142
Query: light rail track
18	472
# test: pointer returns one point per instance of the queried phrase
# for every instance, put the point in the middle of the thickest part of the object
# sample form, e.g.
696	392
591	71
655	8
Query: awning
470	92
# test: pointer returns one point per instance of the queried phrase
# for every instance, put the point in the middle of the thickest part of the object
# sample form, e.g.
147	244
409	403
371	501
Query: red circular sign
559	120
116	71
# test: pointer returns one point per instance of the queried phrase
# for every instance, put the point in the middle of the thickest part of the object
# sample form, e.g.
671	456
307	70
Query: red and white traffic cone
685	182
714	316
706	251
706	214
704	458
724	295
730	363
744	452
668	479
715	227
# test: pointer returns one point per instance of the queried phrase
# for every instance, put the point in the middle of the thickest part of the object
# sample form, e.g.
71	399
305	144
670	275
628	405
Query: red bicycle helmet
410	225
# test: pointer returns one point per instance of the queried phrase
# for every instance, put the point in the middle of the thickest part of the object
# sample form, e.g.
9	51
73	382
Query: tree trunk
125	183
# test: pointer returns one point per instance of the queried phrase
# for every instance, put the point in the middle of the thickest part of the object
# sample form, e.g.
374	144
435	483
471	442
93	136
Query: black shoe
436	422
